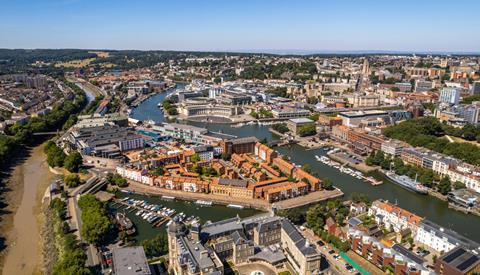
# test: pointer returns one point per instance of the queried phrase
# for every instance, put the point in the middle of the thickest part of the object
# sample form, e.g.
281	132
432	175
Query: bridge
93	185
58	132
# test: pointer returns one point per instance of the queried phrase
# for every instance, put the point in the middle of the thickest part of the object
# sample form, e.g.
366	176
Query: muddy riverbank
27	184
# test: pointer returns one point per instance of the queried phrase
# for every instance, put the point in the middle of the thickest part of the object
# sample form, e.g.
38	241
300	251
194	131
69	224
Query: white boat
205	203
235	206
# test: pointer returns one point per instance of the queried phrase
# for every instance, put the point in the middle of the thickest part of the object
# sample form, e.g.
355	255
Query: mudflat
23	253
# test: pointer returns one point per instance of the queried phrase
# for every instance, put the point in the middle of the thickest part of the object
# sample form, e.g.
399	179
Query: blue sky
340	25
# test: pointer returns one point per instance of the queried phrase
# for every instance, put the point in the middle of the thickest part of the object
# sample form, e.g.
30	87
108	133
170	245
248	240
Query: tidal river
429	207
28	182
24	253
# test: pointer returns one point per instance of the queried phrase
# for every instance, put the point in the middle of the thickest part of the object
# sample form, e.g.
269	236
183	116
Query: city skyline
268	26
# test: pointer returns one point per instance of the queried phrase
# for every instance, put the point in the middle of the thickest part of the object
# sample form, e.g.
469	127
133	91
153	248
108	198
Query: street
337	266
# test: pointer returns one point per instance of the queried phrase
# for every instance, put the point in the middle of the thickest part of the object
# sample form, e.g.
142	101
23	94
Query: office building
295	124
475	88
290	113
355	118
423	86
450	95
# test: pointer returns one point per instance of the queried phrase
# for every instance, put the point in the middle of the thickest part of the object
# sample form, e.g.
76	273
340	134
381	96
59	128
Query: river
429	207
28	182
24	253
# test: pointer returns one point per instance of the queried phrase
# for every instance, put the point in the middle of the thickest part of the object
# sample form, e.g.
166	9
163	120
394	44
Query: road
93	258
336	266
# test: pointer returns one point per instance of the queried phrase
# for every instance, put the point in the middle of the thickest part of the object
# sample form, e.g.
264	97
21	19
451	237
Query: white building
394	217
450	95
392	147
441	239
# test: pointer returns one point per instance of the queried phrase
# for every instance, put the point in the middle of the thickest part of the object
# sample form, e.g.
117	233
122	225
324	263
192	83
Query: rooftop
301	120
461	259
130	260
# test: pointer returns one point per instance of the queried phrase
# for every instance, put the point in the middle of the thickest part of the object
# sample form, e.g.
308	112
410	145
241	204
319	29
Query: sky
243	25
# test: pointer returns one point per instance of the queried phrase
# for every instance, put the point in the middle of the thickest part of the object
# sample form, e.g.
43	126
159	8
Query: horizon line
299	52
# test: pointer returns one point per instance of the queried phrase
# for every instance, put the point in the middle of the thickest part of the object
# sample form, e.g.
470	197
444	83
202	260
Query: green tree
195	158
315	217
73	162
156	247
95	221
459	185
280	127
307	168
327	184
158	171
307	130
72	180
360	197
55	155
444	186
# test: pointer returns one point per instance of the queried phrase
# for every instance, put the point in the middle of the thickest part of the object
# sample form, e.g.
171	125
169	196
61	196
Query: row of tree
169	107
425	176
96	223
280	127
428	132
71	257
57	158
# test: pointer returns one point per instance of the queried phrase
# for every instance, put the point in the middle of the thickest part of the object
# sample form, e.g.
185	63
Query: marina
346	170
150	215
437	210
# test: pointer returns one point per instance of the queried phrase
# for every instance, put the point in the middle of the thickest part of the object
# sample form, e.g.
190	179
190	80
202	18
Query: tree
72	180
360	197
156	247
459	185
307	130
95	221
73	162
116	179
55	155
444	186
158	171
296	217
307	168
327	184
195	158
280	127
315	218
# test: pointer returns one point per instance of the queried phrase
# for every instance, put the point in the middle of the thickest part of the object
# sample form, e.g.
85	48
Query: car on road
331	252
320	243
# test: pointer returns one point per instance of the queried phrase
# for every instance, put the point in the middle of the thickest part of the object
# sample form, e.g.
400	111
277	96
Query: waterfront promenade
312	197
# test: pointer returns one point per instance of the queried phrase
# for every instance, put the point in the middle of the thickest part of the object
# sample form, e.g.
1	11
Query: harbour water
205	213
425	206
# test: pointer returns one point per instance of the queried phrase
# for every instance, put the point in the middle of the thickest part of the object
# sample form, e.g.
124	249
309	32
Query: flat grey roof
244	140
301	120
130	260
